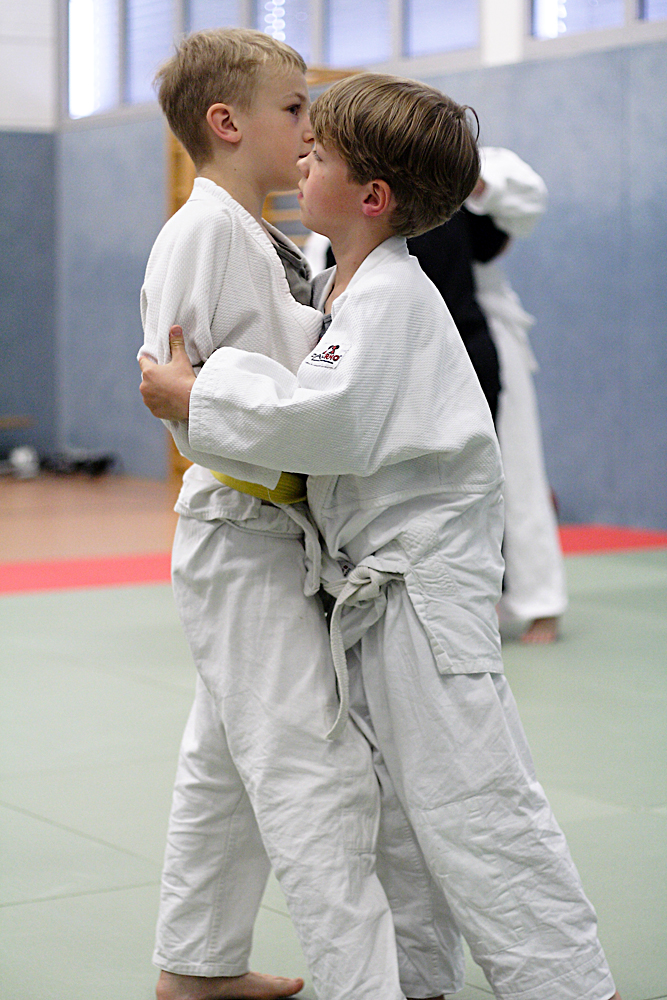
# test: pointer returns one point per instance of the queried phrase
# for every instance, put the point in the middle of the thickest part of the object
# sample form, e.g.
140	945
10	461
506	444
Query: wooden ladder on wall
281	210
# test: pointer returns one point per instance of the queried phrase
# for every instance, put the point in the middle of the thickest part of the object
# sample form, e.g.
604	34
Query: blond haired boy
257	783
389	421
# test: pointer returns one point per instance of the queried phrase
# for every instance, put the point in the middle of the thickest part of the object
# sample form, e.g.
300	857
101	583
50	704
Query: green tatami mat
96	689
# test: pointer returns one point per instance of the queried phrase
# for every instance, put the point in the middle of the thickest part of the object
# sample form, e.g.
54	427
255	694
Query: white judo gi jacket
212	244
387	418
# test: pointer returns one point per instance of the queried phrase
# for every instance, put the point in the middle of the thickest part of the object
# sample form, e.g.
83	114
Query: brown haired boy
255	775
390	423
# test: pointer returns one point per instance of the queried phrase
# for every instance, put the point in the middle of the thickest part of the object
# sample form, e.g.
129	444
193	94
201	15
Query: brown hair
412	136
222	65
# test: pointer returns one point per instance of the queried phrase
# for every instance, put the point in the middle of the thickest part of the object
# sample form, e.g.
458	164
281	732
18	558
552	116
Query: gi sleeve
349	409
184	278
185	275
515	196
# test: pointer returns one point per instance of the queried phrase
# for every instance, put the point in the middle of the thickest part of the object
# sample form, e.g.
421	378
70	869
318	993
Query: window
201	14
653	10
440	26
94	29
558	17
357	34
287	20
116	46
100	78
148	42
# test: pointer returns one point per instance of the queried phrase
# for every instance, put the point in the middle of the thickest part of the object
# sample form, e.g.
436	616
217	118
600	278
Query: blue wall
594	273
111	204
27	309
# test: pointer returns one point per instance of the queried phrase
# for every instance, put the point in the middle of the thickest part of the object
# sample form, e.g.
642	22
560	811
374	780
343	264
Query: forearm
216	463
351	409
246	407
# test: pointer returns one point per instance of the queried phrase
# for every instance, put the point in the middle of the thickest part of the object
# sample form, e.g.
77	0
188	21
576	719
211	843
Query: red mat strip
582	538
66	574
154	567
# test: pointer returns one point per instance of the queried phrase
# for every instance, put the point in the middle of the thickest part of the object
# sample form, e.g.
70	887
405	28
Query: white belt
363	585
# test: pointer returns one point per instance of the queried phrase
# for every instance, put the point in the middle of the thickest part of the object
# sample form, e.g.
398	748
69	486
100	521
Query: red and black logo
329	357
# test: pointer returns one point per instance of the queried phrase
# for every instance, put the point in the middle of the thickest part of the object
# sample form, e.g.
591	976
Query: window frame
634	31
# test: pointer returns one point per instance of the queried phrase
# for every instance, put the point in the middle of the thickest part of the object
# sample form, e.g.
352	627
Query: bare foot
541	631
251	986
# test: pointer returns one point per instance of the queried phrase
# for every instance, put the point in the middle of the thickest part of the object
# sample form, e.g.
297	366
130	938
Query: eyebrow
296	93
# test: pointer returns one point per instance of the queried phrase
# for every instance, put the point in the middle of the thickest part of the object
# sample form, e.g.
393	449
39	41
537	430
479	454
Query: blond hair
412	136
223	65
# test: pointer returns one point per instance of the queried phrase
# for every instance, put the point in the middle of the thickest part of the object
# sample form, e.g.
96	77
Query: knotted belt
363	585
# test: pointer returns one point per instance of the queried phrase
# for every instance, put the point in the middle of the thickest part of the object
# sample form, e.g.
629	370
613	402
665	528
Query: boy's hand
166	388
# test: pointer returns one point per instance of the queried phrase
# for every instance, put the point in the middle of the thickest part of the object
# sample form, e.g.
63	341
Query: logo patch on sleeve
329	357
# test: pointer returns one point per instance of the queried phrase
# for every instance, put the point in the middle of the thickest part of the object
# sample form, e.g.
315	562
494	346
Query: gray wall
111	204
594	273
27	310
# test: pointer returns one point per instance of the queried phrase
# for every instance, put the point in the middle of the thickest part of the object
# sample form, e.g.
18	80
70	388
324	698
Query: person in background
446	257
507	203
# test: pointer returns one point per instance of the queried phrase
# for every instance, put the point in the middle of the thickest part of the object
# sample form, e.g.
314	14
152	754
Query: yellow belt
291	487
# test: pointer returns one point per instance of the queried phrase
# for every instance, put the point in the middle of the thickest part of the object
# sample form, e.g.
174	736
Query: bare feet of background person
541	631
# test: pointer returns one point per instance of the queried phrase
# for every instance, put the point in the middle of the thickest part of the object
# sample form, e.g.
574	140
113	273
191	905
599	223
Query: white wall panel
28	18
27	84
28	67
503	29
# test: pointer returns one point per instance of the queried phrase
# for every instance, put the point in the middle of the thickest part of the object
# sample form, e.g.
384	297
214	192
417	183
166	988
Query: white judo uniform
387	417
256	776
515	197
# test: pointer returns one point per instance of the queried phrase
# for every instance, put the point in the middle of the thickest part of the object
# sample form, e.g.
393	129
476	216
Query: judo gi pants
258	784
452	749
534	573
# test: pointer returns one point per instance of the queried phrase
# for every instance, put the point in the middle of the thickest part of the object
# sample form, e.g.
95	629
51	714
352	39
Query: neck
238	183
351	250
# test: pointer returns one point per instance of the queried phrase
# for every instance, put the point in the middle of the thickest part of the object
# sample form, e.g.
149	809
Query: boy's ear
223	123
379	199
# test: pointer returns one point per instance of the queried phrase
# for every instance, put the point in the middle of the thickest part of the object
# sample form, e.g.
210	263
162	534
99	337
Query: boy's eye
294	109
